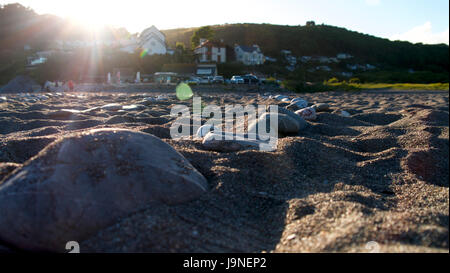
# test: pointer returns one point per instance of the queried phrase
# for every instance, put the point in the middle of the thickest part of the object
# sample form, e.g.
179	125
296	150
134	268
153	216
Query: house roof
211	44
148	37
248	48
153	29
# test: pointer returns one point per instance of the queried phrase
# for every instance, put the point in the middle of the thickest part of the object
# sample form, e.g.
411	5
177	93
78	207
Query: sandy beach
376	180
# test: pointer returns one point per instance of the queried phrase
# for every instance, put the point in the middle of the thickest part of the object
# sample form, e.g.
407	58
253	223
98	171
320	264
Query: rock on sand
86	181
286	124
307	113
229	142
342	113
205	129
321	107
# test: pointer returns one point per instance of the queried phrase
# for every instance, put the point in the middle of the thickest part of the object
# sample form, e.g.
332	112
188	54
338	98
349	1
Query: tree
180	47
183	55
204	32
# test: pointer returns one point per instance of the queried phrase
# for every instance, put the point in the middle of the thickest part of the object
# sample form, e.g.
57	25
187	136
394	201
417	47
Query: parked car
218	79
204	80
250	79
237	79
193	80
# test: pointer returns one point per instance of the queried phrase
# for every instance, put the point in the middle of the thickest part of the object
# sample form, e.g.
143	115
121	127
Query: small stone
205	129
342	113
229	142
321	107
148	101
300	102
292	107
283	104
301	121
307	113
133	107
297	105
280	97
112	107
161	98
286	124
291	237
63	114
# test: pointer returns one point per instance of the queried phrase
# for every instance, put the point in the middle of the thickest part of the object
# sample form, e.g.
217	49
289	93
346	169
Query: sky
425	21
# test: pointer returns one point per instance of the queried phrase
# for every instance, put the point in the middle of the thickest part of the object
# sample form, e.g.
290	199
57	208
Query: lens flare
143	53
184	91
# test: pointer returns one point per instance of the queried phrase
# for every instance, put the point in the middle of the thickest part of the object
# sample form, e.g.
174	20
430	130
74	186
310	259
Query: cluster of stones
292	117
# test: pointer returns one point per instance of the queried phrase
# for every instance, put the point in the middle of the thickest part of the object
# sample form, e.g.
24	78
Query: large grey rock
85	182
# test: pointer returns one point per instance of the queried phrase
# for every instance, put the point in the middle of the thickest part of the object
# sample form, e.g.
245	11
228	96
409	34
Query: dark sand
380	175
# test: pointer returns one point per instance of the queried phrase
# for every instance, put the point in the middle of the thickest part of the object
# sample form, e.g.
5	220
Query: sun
93	18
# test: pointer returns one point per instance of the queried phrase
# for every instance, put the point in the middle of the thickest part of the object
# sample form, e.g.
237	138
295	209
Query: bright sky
425	21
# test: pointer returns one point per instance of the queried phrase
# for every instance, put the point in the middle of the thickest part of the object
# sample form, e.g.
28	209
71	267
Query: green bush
354	80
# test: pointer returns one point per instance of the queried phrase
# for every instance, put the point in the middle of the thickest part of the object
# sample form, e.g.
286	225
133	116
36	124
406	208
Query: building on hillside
129	45
343	56
249	55
152	41
211	51
188	70
206	70
290	59
165	77
305	59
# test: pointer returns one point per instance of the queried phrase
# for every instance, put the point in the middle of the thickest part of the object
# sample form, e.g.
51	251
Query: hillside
327	41
395	62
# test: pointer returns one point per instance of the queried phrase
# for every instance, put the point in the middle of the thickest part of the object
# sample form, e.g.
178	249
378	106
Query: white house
153	41
211	51
343	56
249	55
129	44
